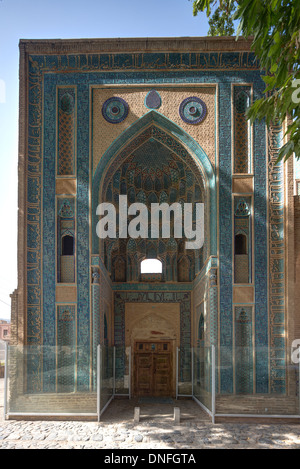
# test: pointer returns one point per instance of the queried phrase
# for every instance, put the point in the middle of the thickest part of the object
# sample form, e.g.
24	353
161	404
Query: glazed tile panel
46	73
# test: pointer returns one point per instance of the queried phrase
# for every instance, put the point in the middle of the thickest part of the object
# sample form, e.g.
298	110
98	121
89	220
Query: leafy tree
220	20
274	26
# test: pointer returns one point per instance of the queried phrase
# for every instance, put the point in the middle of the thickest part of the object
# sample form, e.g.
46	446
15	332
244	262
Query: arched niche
154	126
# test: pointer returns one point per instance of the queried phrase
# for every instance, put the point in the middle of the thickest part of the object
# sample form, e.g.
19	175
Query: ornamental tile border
84	70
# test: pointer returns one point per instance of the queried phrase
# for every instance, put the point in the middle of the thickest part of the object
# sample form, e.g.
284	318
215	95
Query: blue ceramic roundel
153	100
192	110
115	110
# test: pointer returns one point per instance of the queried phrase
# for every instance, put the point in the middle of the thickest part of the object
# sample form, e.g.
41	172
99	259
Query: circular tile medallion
192	110
115	110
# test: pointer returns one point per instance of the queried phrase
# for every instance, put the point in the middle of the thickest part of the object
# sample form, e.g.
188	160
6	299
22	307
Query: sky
61	19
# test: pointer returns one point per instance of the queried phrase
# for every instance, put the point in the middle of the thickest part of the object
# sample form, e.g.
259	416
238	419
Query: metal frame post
213	383
98	381
299	380
5	379
114	371
177	367
192	362
129	372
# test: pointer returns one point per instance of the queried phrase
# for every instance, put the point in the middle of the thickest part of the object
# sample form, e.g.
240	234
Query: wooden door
144	374
153	369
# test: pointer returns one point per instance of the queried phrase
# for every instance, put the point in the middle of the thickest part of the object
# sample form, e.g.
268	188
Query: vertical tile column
32	187
49	229
261	200
83	260
225	211
277	264
95	292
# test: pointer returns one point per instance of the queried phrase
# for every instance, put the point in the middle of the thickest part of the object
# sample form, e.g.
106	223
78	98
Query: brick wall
4	330
14	339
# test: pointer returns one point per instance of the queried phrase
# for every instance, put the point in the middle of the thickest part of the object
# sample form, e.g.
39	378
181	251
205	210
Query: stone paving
156	430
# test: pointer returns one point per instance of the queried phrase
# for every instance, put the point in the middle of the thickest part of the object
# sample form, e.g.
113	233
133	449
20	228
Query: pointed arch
184	142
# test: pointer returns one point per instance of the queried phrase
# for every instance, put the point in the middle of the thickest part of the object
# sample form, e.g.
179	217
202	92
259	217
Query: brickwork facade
5	329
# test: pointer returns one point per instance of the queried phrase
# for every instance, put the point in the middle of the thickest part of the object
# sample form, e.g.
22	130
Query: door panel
144	374
161	377
153	369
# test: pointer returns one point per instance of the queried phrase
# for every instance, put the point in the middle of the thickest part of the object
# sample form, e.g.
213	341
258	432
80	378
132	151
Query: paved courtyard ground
155	431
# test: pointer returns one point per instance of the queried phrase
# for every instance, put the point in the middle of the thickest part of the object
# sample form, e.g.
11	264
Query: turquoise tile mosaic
82	71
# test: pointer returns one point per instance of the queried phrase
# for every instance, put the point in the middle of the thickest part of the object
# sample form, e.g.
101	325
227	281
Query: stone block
136	417
176	415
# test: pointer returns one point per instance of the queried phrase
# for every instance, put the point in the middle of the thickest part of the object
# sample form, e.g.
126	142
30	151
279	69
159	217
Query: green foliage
221	22
274	26
220	19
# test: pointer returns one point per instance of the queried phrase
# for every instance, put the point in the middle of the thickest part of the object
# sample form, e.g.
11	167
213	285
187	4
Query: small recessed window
240	244
151	266
68	246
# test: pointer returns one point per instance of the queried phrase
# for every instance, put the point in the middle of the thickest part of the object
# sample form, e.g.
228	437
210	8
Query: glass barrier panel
122	371
106	370
202	375
258	381
184	371
49	380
